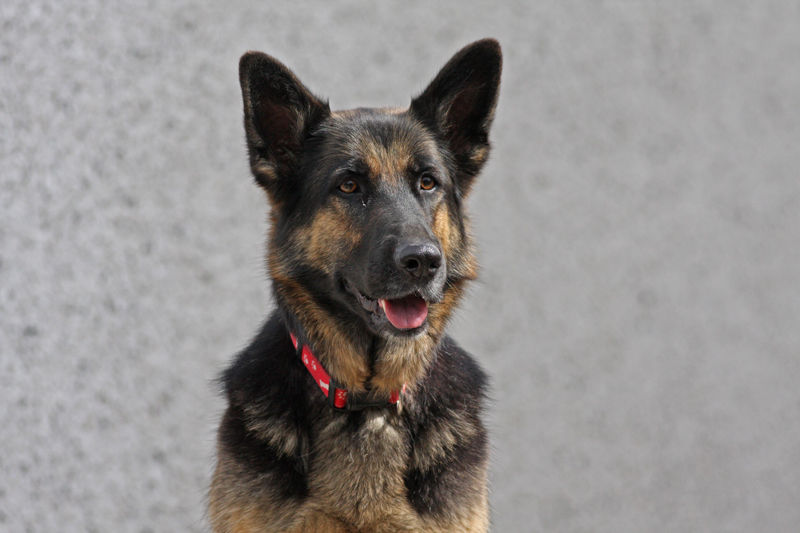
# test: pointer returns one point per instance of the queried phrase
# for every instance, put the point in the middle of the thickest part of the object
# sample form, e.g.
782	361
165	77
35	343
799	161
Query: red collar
341	399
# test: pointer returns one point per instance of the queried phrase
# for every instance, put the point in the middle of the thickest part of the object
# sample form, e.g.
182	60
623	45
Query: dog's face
378	228
368	231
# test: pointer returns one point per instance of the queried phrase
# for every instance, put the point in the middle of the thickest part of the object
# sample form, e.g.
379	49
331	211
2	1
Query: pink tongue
406	313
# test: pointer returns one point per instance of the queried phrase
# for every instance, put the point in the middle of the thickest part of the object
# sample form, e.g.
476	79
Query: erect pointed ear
279	111
459	105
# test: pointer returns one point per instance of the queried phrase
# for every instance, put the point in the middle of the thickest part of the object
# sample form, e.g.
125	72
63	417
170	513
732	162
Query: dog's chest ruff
357	469
291	463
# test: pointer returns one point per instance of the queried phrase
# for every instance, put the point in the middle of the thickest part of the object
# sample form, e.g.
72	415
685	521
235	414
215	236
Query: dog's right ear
279	111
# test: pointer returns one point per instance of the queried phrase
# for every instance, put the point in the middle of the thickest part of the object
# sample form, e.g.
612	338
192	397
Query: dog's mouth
406	313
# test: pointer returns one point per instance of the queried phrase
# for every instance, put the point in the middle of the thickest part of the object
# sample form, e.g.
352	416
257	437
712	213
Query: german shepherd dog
352	411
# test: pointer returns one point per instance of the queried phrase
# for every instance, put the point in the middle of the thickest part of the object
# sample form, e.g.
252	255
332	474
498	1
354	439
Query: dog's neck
367	362
339	398
359	359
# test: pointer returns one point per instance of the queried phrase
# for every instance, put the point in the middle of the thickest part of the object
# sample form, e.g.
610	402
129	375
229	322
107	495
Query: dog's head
369	246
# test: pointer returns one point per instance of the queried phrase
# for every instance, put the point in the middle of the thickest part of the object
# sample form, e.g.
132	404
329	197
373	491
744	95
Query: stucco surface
639	305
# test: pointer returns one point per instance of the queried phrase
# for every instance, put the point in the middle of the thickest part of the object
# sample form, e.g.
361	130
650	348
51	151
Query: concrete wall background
640	298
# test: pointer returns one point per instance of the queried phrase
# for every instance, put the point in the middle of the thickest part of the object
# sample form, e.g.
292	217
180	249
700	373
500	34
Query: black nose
419	260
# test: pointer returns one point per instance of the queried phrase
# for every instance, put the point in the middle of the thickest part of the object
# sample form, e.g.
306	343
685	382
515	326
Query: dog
351	410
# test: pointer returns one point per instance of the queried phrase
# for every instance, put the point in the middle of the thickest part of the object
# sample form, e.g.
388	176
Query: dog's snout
419	260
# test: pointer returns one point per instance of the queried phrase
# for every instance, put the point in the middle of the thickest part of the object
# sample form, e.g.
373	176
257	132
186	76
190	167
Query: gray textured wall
640	297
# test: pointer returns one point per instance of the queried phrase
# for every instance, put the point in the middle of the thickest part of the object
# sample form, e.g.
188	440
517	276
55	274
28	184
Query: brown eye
427	183
348	187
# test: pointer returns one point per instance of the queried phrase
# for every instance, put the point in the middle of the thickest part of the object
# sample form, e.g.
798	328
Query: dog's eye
348	186
427	183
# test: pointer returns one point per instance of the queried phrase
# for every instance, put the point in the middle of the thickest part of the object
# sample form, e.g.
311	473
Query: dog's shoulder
266	390
260	440
266	372
450	445
455	381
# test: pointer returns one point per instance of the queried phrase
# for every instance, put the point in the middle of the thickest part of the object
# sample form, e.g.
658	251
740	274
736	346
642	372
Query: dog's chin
404	316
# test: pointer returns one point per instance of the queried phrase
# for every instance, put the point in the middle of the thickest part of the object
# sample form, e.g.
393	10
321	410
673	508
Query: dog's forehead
383	142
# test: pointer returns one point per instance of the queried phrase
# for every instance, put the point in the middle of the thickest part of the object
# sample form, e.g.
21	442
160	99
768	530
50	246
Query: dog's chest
358	465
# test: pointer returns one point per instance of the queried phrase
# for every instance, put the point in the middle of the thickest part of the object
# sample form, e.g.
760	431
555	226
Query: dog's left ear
459	105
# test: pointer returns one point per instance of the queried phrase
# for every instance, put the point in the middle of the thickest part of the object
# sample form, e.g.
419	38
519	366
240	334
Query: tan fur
328	238
239	504
443	231
438	440
356	485
404	361
390	163
361	478
387	163
280	434
338	353
474	520
347	113
459	256
399	361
